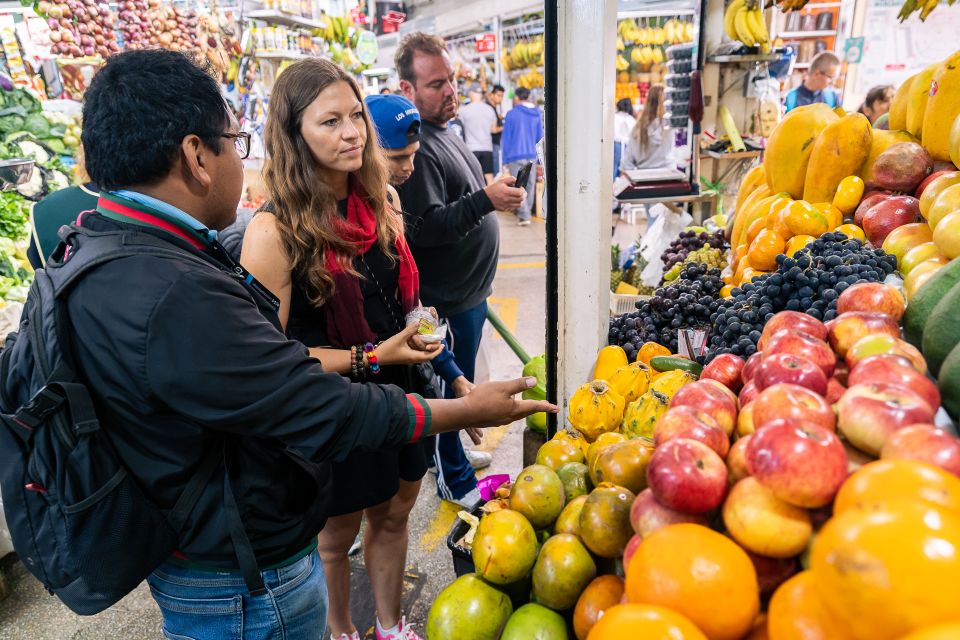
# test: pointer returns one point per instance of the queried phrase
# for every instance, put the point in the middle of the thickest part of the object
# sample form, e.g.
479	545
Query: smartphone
523	175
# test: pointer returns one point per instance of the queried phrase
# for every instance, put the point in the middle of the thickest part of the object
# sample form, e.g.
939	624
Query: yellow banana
743	28
758	28
729	18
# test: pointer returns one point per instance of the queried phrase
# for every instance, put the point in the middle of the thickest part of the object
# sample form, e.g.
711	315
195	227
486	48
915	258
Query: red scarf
346	322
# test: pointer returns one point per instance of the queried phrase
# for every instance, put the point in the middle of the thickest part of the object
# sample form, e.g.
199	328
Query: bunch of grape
810	281
713	258
688	303
689	241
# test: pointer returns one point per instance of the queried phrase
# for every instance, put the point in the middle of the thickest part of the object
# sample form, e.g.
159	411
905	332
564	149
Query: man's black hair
497	88
137	111
523	93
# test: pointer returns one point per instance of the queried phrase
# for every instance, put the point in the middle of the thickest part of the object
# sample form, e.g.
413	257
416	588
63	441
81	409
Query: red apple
771	572
804	345
835	391
882	343
887	215
872	296
706	397
726	368
795	321
686	475
787	367
750	367
801	463
890	368
792	402
745	424
872	198
630	549
687	422
737	460
868	414
923	442
850	327
747	394
930	178
723	389
647	515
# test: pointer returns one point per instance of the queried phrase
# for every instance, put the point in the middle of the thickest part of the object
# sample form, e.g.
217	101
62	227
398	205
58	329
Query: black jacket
178	357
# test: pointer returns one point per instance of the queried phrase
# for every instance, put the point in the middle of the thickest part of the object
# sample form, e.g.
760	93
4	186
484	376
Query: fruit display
743	20
80	28
524	54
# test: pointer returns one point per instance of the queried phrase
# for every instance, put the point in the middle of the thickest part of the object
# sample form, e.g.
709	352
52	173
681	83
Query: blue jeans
206	605
617	154
496	159
455	476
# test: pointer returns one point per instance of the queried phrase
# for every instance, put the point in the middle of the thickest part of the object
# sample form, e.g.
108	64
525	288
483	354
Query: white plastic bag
667	225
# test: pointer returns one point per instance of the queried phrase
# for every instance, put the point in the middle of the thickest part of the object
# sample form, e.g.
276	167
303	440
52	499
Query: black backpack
79	521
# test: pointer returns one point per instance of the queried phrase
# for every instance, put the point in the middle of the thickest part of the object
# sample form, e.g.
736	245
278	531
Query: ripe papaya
609	359
882	140
943	106
917	104
791	145
898	106
751	181
838	152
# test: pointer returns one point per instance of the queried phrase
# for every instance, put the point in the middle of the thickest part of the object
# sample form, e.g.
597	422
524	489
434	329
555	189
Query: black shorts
368	478
486	160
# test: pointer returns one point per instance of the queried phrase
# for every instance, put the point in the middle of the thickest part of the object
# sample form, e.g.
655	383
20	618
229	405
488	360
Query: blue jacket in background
522	130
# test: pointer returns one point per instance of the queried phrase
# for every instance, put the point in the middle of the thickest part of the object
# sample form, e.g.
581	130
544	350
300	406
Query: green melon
942	331
925	299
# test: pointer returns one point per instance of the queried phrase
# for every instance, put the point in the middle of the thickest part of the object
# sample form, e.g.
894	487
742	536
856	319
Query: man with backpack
154	420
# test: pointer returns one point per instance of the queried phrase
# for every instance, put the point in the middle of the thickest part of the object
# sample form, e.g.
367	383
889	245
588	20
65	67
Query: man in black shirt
182	353
495	99
454	237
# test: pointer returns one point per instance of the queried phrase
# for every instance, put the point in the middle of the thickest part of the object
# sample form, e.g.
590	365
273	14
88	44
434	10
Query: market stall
782	408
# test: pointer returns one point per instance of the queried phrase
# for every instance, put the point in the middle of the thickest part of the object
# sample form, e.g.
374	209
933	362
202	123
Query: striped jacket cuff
419	417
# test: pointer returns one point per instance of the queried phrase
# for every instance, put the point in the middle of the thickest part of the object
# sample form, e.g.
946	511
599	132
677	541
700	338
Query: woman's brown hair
653	110
304	205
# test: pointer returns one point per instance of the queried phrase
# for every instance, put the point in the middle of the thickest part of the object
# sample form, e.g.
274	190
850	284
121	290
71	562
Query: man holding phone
522	130
455	240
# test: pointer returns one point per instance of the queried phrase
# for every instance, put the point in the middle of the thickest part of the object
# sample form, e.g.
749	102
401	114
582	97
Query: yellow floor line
439	526
521	265
507	309
491	438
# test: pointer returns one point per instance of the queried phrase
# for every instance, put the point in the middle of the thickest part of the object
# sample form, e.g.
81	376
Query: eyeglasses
241	141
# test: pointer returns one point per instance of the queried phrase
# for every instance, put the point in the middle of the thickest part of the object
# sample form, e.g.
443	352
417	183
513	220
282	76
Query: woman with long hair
329	244
650	143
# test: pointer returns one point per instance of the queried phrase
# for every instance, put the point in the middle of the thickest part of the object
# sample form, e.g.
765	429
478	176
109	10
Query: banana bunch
677	31
523	55
923	6
645	56
533	79
744	21
335	29
622	63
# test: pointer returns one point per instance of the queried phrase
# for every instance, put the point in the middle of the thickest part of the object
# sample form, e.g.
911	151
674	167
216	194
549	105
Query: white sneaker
402	631
355	547
523	223
343	636
469	501
478	459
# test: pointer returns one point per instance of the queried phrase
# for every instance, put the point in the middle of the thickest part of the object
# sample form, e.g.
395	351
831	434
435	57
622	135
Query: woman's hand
416	341
397	350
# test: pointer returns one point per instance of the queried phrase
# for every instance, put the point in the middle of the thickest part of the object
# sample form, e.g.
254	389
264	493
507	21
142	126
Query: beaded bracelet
354	372
371	353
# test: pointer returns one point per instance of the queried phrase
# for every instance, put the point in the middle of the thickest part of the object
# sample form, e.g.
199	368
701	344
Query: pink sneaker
402	631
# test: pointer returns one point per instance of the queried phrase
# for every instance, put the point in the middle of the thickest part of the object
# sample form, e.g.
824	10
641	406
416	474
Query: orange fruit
601	594
948	631
884	480
852	231
796	243
890	569
632	621
699	573
849	193
796	613
833	214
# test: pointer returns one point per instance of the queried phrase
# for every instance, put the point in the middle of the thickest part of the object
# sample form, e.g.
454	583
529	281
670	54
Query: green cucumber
671	363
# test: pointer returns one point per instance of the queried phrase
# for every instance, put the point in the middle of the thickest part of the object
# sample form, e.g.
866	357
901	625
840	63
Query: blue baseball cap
396	119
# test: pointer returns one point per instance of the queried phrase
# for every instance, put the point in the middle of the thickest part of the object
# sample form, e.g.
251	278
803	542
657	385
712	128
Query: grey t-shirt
478	119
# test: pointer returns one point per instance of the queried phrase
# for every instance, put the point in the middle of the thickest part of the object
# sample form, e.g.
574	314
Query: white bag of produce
667	225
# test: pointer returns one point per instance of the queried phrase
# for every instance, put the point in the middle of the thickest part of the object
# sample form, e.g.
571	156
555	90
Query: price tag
486	42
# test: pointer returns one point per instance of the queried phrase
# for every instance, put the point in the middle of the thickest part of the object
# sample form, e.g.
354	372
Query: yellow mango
838	152
751	181
791	145
917	104
955	141
882	140
943	106
898	106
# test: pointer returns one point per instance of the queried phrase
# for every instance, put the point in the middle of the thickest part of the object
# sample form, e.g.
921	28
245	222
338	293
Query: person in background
56	210
877	102
495	99
454	237
181	358
479	123
385	91
650	144
398	129
522	130
822	74
623	121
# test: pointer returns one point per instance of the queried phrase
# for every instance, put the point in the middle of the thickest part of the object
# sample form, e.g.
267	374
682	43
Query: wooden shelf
752	57
808	34
285	19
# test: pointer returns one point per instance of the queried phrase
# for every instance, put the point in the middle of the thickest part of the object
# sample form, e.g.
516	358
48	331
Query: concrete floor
29	613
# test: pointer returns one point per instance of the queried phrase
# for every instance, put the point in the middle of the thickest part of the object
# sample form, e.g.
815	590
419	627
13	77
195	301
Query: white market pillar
584	159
